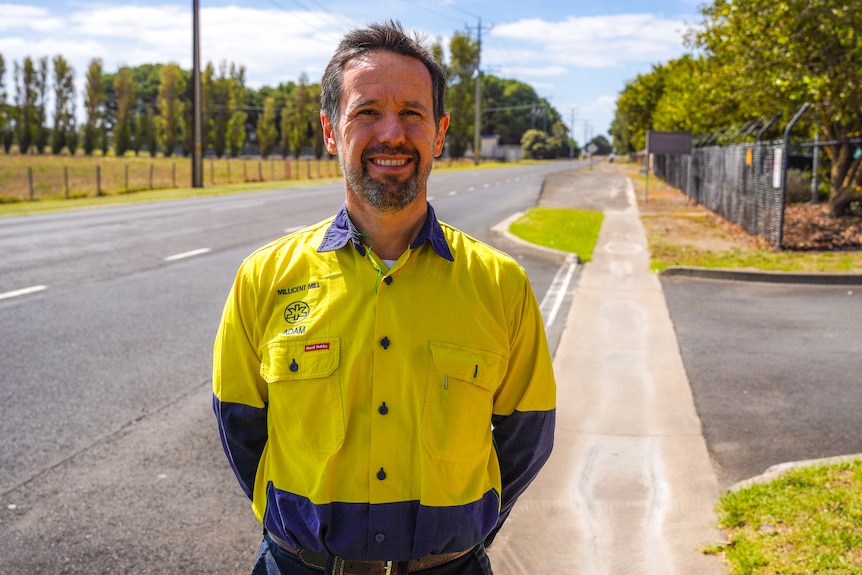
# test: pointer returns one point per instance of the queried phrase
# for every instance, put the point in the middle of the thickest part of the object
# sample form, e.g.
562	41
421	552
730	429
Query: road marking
188	254
559	287
241	206
453	193
293	229
24	291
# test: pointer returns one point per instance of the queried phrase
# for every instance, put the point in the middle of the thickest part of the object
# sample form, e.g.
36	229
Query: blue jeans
273	560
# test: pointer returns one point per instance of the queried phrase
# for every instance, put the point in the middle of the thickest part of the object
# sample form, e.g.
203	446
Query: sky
576	54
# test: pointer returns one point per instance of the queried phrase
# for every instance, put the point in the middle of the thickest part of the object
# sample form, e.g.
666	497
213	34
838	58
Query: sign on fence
669	143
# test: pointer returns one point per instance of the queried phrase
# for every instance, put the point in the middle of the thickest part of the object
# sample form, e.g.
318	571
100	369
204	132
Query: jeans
273	560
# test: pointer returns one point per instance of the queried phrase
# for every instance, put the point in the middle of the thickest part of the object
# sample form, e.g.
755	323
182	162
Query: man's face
386	137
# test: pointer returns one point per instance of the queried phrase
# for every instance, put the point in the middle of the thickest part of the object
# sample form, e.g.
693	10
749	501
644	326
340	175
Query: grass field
50	177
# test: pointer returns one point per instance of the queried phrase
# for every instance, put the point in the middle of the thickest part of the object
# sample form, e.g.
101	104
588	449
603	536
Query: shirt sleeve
525	406
239	392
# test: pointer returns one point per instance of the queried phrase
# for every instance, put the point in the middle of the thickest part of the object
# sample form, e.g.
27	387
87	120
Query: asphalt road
775	369
109	457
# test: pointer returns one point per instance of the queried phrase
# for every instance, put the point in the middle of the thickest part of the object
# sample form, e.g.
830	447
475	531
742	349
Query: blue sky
576	54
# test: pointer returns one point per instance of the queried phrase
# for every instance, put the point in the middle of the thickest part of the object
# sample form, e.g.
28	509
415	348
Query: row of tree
148	108
755	59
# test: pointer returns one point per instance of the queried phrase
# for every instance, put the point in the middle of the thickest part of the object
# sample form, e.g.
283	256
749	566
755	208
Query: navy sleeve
524	441
242	429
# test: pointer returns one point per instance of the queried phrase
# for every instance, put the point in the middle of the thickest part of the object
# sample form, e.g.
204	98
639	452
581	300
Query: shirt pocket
459	401
306	409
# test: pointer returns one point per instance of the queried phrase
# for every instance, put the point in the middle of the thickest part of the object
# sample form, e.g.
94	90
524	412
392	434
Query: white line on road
24	291
559	287
293	229
188	254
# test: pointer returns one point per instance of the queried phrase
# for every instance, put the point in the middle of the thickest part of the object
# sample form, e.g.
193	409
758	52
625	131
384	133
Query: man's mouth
388	163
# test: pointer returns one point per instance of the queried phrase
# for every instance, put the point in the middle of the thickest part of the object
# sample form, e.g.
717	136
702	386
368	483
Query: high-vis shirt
383	413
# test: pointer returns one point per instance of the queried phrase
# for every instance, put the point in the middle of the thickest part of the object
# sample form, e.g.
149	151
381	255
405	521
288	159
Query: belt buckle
387	568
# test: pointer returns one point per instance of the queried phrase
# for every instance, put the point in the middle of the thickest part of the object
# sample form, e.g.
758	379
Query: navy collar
342	230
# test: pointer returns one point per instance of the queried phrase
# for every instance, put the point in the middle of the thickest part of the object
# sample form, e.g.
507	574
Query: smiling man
382	382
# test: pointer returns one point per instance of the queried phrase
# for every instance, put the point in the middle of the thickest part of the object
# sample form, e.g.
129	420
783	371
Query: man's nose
390	129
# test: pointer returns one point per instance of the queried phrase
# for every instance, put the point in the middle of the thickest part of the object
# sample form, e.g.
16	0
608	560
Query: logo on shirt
296	312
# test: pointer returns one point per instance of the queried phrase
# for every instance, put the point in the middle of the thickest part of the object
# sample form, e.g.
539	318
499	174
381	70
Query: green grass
666	255
809	520
574	231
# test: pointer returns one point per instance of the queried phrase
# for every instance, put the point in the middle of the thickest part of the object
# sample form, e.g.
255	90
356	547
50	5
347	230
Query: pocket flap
299	359
479	367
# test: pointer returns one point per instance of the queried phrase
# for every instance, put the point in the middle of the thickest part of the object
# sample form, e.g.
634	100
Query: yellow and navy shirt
381	413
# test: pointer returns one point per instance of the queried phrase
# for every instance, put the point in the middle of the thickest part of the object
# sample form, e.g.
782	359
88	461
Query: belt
345	567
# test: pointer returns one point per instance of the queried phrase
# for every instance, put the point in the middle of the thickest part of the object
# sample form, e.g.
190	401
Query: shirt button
380	537
387	280
384	342
383	410
381	475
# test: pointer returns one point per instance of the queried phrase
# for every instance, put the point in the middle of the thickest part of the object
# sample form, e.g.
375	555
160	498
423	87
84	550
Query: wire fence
741	182
28	177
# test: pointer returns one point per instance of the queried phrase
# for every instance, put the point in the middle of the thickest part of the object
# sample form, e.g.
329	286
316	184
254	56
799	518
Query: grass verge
574	231
809	520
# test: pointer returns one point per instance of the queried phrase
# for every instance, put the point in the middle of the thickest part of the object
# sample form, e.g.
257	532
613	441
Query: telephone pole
197	118
477	116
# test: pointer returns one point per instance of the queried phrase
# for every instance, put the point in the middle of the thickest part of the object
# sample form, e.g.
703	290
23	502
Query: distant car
611	158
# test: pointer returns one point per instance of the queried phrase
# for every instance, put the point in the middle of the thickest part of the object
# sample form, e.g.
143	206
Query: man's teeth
390	163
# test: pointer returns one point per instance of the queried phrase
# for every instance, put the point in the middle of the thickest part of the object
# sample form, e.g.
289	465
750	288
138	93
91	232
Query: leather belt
345	567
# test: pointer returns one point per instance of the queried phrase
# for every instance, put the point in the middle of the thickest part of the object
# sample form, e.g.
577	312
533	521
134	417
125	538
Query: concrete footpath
629	488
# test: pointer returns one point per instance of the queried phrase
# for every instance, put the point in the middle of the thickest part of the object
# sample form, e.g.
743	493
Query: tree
267	132
778	54
461	93
236	133
170	119
125	93
41	134
535	144
94	103
635	108
7	133
26	100
64	107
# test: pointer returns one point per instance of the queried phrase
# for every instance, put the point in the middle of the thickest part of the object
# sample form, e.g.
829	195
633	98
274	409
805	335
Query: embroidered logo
296	312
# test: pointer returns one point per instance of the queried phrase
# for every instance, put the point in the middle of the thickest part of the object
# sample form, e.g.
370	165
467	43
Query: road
775	369
110	461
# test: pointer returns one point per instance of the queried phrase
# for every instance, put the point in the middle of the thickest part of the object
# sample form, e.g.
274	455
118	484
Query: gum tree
779	54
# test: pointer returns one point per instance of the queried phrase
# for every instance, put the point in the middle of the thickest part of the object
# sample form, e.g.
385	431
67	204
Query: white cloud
20	17
596	41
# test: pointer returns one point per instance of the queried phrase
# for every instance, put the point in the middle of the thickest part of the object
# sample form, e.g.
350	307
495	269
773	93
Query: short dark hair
389	36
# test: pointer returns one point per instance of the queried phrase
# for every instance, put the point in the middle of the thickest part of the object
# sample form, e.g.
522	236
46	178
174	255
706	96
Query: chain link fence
738	182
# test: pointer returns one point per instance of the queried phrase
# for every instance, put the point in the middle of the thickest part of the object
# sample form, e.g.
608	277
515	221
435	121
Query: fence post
259	171
229	179
30	180
98	180
66	180
784	158
152	167
815	196
308	167
127	177
212	171
174	173
244	171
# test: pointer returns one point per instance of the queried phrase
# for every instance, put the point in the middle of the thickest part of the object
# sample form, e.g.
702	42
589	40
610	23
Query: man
382	381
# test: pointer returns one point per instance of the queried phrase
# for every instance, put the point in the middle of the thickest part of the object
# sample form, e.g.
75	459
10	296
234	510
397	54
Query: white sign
777	168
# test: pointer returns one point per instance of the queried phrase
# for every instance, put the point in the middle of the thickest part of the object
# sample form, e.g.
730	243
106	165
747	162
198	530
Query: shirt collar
341	231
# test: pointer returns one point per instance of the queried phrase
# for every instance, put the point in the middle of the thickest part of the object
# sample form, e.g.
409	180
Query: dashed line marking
188	254
20	292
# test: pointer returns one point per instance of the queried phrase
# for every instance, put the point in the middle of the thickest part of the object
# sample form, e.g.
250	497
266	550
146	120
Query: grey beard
386	194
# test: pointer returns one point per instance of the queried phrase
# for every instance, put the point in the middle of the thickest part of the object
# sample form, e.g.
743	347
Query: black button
383	410
385	342
294	366
381	475
387	280
380	537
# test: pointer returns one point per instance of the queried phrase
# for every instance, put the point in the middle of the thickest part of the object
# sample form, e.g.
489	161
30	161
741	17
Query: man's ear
328	134
440	139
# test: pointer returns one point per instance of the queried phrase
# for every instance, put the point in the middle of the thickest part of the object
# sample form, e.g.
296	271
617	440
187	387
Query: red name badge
316	346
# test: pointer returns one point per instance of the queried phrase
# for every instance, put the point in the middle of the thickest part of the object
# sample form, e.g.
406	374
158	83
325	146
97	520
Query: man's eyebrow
412	104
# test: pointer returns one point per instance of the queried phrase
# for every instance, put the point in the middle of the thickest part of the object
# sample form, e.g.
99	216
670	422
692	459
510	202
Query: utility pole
572	136
197	117
477	117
